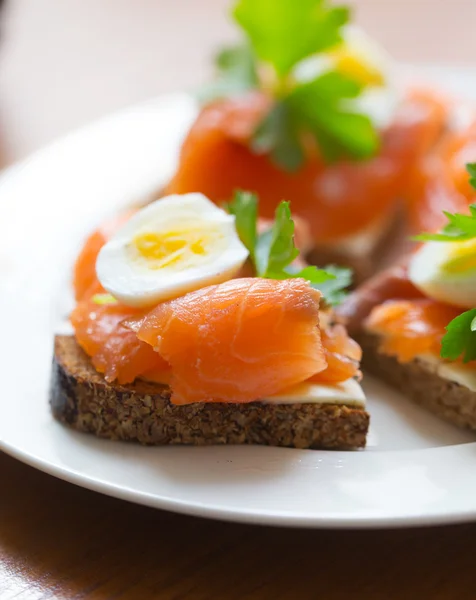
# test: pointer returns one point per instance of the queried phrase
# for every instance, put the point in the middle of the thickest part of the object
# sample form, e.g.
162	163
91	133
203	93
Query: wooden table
60	541
63	63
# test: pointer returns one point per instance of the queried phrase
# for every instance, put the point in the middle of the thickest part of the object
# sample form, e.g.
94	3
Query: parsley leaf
278	136
335	290
284	32
244	207
273	251
338	130
236	73
459	228
275	248
471	168
460	337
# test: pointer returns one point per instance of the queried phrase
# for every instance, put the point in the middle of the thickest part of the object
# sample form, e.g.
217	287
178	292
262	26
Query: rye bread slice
142	412
419	382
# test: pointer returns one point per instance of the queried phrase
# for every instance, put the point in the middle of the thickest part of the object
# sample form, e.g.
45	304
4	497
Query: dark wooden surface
61	65
61	541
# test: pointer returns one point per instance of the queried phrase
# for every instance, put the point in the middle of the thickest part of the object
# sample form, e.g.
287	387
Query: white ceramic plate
416	469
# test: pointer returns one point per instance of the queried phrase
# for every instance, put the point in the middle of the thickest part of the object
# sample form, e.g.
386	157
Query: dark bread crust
81	398
417	380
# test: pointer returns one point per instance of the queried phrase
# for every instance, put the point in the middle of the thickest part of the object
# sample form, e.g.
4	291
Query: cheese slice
348	392
459	373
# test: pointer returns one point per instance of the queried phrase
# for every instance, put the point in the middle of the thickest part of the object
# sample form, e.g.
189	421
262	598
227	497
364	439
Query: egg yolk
462	258
180	246
349	63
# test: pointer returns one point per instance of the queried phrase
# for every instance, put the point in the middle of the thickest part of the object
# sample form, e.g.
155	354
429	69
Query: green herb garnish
460	337
284	32
459	227
275	249
244	207
319	107
278	136
471	168
335	290
273	252
281	34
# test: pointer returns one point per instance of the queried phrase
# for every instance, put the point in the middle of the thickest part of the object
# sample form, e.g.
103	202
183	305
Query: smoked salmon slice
238	341
409	328
114	350
342	354
336	200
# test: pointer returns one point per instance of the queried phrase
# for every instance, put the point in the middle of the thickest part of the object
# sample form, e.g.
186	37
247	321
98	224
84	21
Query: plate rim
245	516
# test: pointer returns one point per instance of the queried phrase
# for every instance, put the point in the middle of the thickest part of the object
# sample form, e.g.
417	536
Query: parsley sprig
273	252
280	35
460	337
459	227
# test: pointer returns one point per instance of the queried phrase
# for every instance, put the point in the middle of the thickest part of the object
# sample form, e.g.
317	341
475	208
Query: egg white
378	102
135	280
426	271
